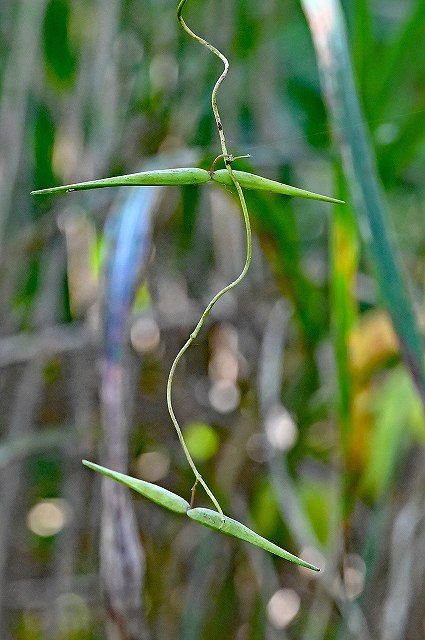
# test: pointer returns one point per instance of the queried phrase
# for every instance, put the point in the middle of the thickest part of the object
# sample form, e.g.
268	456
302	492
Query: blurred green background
300	401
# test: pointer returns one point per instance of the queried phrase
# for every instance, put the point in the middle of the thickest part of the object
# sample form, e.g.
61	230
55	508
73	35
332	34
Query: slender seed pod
206	517
153	492
213	520
188	176
161	177
251	181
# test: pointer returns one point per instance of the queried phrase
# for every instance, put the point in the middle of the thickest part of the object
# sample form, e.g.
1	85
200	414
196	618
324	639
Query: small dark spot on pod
219	125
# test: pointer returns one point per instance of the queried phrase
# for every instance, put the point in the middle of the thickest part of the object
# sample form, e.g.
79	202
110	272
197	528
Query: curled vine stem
228	160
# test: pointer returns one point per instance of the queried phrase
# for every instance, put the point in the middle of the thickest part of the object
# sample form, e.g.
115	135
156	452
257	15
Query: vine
228	160
190	176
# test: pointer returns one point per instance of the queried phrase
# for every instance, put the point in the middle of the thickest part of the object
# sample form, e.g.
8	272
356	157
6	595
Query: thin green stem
220	79
227	159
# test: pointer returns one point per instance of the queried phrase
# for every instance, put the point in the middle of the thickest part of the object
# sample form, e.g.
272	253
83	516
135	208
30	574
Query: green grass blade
152	492
399	154
252	181
22	447
337	79
161	177
362	36
274	222
395	63
230	527
344	256
392	407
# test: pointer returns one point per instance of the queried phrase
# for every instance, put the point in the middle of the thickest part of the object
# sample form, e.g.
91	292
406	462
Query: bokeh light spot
224	396
145	335
282	607
201	440
258	448
153	466
48	517
354	572
281	429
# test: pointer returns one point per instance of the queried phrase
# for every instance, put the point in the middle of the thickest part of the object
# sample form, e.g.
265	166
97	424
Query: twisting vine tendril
228	160
226	177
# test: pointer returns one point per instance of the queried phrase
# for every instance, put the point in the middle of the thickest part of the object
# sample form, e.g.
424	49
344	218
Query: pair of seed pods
155	493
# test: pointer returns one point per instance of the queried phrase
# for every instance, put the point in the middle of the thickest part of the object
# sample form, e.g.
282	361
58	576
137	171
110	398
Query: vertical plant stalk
228	160
22	419
122	560
19	73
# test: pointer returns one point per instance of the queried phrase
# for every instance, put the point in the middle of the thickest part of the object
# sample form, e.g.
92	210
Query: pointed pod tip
50	190
152	492
91	465
307	565
234	528
251	181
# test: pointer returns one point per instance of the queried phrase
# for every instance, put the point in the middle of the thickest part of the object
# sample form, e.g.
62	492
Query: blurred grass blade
396	60
230	527
152	492
60	60
362	36
328	29
276	227
161	177
401	152
40	442
252	181
392	407
344	252
18	69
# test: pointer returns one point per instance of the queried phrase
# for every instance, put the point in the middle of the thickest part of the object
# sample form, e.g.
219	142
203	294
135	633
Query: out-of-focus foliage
298	407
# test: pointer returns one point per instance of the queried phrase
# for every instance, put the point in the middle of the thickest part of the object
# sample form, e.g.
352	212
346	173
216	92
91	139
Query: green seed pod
162	177
251	181
231	527
187	176
153	492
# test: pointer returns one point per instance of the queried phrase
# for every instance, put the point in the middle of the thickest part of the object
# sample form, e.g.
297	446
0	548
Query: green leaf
230	527
153	492
252	181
